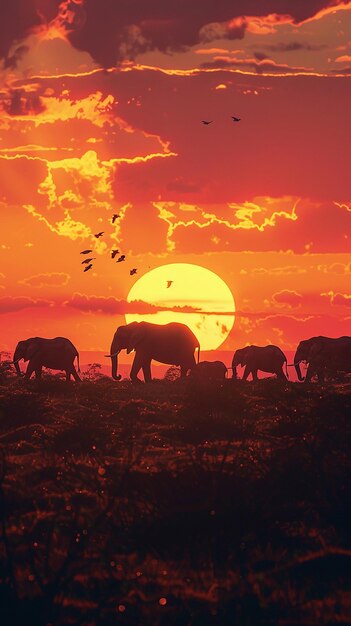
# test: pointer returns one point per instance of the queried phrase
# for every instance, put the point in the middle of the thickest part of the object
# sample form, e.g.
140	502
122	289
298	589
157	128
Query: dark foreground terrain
169	505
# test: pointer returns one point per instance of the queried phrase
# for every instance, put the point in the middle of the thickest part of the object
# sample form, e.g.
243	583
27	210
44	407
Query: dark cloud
260	56
117	30
293	46
346	71
112	31
20	102
18	18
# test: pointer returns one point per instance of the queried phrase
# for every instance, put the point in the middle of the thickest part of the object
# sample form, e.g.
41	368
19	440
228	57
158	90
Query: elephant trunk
17	357
298	371
114	361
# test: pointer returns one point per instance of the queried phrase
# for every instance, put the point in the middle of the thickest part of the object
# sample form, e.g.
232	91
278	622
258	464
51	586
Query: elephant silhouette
172	343
57	354
268	359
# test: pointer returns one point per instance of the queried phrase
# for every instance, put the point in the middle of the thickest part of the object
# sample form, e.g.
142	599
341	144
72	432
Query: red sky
101	108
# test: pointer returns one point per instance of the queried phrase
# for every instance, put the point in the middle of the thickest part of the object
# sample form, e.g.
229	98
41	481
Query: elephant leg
73	372
38	371
247	372
280	374
254	375
310	372
146	367
138	363
30	369
68	375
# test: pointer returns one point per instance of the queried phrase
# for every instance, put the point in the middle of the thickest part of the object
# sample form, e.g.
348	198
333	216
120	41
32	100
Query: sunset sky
101	108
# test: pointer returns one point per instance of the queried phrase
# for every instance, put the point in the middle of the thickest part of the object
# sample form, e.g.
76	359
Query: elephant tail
198	353
78	366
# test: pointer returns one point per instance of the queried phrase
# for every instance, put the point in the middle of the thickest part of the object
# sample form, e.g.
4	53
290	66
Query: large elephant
324	356
57	354
267	359
172	343
208	371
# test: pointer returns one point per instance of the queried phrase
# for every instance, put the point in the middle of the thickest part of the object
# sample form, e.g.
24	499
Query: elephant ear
30	350
136	336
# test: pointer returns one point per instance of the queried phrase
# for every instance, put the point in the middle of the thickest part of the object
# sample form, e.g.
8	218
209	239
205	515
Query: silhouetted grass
169	504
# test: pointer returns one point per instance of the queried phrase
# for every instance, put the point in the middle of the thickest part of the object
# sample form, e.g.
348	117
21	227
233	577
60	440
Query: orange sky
101	109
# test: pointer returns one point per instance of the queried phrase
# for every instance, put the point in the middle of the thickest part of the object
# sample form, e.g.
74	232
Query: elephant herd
175	344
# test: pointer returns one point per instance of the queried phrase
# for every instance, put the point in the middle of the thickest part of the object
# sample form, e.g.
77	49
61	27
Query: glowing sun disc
192	286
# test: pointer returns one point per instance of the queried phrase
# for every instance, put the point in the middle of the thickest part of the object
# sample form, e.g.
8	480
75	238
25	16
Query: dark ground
169	505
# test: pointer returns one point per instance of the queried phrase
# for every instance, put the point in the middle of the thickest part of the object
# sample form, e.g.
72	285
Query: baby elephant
208	371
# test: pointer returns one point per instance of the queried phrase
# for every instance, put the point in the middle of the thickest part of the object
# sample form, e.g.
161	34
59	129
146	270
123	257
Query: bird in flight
113	253
236	119
86	251
88	260
115	216
169	283
99	235
88	267
206	123
133	271
121	258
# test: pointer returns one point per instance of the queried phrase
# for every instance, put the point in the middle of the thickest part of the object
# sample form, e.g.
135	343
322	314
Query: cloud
20	103
227	162
346	58
275	271
12	60
54	279
114	31
346	71
20	179
293	46
335	268
266	66
113	306
312	228
9	304
291	298
339	299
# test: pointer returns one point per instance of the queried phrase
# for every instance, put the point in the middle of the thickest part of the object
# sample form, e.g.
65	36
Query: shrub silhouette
232	506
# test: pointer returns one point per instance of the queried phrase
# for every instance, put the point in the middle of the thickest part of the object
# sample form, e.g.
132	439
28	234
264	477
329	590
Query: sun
184	285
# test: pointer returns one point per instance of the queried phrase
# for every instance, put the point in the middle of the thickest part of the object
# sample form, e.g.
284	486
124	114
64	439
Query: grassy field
169	505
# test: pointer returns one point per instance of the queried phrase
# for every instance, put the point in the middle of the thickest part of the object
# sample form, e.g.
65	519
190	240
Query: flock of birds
88	261
207	122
